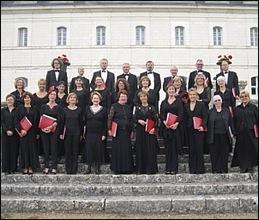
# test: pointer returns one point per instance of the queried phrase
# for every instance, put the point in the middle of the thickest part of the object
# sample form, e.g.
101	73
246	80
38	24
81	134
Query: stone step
105	169
128	179
84	190
160	158
221	203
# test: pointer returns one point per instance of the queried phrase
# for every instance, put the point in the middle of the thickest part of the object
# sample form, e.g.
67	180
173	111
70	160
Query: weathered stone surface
19	205
249	203
188	204
55	204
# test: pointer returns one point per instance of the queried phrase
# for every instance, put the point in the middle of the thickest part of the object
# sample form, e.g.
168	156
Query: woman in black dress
245	119
10	143
50	134
19	84
28	152
96	126
146	142
171	135
121	84
194	108
40	98
120	113
106	103
144	85
72	132
219	137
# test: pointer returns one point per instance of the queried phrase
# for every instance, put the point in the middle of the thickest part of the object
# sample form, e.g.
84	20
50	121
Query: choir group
84	115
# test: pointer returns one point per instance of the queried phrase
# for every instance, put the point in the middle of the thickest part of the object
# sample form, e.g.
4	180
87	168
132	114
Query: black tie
103	71
150	72
226	72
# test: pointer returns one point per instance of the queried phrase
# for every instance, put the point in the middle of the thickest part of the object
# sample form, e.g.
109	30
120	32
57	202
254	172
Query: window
61	36
179	35
23	37
254	85
100	35
217	36
140	35
254	36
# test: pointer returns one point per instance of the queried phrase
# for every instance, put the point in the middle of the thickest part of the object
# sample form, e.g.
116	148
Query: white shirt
56	74
226	76
126	76
152	79
104	75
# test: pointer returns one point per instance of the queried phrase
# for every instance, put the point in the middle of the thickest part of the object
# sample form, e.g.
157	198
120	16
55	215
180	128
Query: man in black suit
86	84
107	76
154	78
56	75
131	79
199	65
174	71
230	76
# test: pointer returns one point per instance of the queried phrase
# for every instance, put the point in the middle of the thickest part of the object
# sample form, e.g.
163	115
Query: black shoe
173	173
46	171
243	171
54	171
88	171
25	172
250	170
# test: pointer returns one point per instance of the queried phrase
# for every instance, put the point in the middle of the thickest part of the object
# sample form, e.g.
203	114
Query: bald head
174	70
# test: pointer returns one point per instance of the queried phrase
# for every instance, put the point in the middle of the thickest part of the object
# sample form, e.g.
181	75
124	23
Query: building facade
168	33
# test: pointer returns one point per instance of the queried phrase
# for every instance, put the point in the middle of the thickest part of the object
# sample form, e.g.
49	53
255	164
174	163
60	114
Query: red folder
19	133
25	125
114	129
46	121
150	124
171	119
197	123
256	130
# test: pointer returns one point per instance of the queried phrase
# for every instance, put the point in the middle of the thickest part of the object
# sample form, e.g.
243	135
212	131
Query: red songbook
46	121
256	130
171	119
150	124
197	123
114	129
25	124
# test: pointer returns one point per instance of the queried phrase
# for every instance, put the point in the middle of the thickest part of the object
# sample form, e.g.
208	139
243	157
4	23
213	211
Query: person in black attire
18	93
96	126
155	81
50	138
86	84
121	84
174	71
146	142
74	128
219	136
56	75
228	100
144	85
132	81
120	113
10	143
28	152
107	76
171	135
246	149
199	65
194	108
40	98
61	95
230	76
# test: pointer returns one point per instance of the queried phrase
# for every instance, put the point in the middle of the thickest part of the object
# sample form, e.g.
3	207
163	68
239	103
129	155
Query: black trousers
50	145
71	153
219	153
10	152
196	160
171	155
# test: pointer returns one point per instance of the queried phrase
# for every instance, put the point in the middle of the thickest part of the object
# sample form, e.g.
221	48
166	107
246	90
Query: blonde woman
19	85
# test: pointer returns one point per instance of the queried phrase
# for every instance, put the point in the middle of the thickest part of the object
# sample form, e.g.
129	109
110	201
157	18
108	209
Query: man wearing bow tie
108	77
56	75
230	76
154	78
131	79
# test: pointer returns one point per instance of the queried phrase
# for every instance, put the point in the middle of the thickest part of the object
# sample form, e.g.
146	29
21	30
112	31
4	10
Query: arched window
100	35
140	35
217	36
179	35
254	36
23	37
61	36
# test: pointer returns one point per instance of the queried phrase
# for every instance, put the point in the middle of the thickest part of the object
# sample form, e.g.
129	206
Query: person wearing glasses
246	121
219	136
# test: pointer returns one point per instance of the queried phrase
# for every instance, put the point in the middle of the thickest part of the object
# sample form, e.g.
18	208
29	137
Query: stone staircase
182	193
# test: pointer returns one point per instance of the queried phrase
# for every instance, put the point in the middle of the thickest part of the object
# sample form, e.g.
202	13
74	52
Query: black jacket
232	81
192	77
51	79
157	82
85	82
110	80
168	79
133	84
228	123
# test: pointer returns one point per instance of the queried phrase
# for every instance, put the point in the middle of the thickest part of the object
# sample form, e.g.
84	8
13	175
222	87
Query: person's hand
46	130
174	126
142	122
23	132
103	138
152	131
201	129
166	124
132	135
110	133
61	137
9	133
